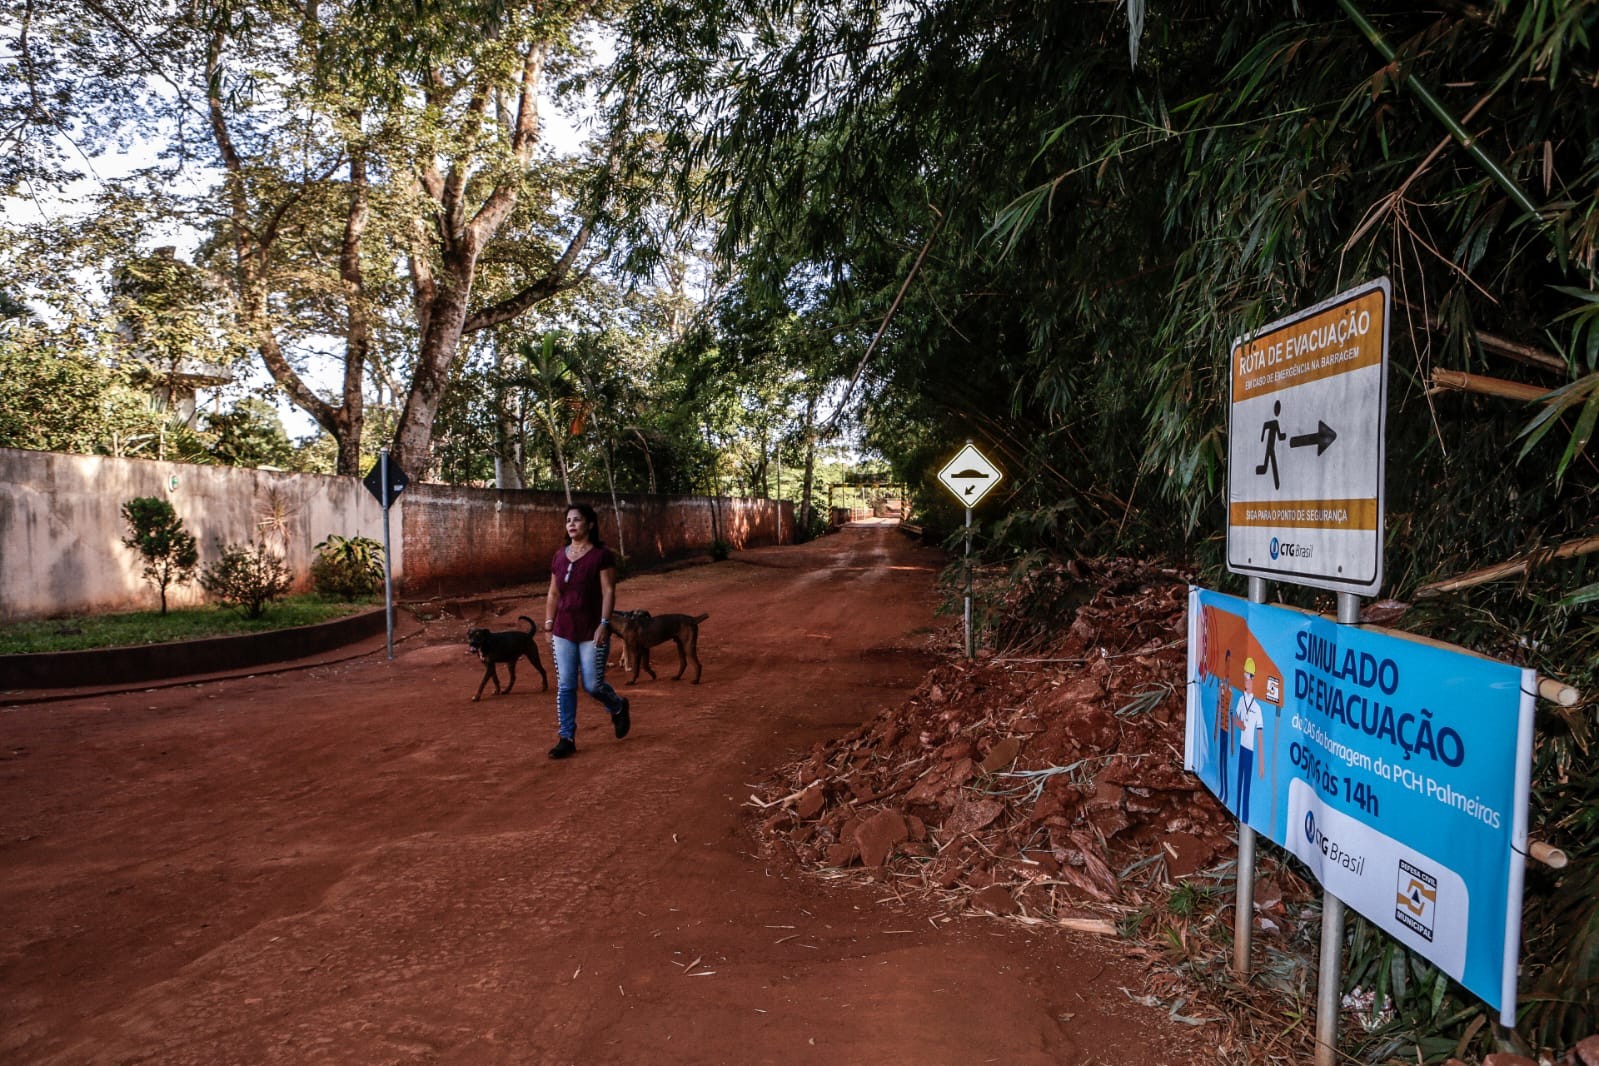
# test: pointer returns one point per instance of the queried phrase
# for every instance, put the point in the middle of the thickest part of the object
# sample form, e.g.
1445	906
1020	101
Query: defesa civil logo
1416	899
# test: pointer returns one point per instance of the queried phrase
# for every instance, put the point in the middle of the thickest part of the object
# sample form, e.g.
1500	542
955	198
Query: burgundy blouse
579	597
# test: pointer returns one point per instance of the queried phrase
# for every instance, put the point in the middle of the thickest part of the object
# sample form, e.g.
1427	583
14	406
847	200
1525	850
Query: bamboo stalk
1547	854
1509	569
1558	692
1487	386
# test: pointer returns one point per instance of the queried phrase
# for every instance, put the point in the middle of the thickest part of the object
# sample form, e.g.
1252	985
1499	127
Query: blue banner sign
1397	769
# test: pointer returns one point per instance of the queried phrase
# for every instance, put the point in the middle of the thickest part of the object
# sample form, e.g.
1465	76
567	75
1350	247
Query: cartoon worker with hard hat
1250	723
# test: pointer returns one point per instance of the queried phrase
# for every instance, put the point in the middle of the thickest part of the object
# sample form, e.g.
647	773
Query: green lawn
152	627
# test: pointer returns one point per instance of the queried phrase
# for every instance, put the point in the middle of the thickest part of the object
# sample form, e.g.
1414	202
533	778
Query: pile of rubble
1038	782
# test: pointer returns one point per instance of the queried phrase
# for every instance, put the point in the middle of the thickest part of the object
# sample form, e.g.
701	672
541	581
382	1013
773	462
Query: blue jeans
585	662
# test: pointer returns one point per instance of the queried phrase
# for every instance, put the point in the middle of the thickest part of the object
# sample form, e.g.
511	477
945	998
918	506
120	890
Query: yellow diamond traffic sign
969	475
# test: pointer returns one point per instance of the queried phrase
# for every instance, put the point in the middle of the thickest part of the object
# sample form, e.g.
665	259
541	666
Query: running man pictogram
1272	432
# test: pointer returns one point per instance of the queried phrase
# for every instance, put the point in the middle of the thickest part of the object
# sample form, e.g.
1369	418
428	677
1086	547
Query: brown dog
505	647
640	631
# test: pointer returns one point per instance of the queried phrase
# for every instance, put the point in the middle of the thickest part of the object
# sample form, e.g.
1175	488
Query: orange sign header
1344	337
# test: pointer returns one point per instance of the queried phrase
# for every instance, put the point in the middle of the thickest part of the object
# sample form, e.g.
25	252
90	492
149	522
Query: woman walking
577	614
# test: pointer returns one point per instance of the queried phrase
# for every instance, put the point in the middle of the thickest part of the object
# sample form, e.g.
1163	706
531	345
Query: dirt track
356	864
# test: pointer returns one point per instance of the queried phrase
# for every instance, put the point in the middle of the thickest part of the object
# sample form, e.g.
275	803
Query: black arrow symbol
1322	438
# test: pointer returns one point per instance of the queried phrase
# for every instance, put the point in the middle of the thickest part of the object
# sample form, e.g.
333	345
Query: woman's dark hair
591	518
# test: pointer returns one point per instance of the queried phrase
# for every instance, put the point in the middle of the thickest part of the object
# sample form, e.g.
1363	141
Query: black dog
504	647
641	631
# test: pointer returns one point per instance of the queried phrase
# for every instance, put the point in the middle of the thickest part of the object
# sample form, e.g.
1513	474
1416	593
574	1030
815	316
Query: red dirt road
356	864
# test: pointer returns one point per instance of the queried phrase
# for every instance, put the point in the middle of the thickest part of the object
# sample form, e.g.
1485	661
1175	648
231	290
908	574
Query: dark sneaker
563	748
621	720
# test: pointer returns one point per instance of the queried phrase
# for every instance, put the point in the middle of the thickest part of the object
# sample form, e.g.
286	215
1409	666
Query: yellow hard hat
1249	665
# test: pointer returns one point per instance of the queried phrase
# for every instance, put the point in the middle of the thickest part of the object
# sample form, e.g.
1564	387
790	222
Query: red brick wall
460	538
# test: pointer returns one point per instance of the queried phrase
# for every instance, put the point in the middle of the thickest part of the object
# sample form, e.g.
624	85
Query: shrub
720	549
157	534
348	568
247	577
809	524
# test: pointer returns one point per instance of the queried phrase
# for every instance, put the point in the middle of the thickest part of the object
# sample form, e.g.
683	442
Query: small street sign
1306	445
969	475
398	479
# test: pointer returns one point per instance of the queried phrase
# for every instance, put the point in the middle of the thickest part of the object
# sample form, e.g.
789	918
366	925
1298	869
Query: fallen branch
1510	569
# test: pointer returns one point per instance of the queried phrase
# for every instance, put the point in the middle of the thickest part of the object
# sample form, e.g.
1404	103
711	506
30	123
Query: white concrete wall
61	525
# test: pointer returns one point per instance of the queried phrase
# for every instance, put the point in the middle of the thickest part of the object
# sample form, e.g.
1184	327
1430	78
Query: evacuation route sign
1397	770
969	475
1305	445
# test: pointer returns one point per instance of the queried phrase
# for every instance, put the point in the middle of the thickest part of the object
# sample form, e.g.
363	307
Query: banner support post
1327	981
1330	976
1244	898
1244	901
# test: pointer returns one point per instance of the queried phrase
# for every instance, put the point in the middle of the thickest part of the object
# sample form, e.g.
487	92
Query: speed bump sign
970	476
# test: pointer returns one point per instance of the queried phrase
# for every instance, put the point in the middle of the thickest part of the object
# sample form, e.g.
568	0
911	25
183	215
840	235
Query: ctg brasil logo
1289	549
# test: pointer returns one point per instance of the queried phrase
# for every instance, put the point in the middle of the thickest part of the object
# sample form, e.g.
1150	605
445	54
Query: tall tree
450	131
373	158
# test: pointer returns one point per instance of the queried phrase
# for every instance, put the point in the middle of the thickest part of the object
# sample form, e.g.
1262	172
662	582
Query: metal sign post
388	571
970	476
385	481
1330	976
971	650
1306	448
1244	890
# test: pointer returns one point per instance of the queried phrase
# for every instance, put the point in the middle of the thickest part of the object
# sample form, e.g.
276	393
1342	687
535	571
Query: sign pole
1244	901
969	476
388	570
385	481
1327	981
1330	977
971	650
1244	897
